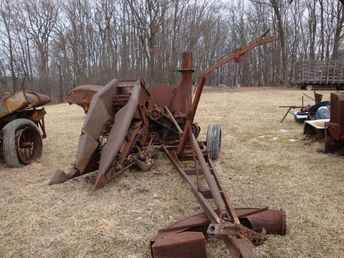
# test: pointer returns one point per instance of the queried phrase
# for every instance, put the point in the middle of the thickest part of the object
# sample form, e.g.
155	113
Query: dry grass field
263	163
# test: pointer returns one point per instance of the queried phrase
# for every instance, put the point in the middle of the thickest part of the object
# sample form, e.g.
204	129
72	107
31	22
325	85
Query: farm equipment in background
22	127
307	112
82	95
334	131
313	116
128	123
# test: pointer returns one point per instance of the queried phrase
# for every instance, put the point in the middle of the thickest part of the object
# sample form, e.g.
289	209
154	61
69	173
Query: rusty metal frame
224	222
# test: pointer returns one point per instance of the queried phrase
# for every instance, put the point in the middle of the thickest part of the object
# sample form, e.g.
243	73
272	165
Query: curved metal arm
233	56
238	53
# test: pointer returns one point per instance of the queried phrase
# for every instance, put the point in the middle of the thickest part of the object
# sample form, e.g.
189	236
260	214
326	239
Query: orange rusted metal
334	130
82	95
20	101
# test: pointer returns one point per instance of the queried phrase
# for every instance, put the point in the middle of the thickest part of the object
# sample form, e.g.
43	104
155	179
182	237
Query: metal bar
215	191
302	101
183	133
174	120
290	106
240	248
237	54
205	168
197	97
184	137
224	195
285	115
307	96
213	217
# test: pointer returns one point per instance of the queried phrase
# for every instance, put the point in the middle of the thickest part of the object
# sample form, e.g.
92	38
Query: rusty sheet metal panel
100	113
126	86
20	101
106	107
177	98
13	103
180	244
163	95
336	124
82	95
36	99
87	87
118	133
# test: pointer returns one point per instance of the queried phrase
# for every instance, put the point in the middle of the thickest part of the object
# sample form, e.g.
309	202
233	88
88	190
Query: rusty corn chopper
128	122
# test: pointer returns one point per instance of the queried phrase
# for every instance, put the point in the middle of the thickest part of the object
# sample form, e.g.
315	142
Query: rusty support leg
215	191
224	195
197	97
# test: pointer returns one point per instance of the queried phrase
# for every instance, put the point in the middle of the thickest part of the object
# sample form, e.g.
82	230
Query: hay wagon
317	75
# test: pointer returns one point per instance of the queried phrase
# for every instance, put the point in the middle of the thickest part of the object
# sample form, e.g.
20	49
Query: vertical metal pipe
183	98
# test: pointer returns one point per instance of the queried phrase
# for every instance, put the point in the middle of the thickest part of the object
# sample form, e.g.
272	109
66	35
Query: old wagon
22	127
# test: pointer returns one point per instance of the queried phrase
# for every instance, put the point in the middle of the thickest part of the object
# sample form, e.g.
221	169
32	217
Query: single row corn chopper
128	122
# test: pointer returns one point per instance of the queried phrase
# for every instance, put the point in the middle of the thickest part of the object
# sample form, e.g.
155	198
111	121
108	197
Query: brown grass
263	163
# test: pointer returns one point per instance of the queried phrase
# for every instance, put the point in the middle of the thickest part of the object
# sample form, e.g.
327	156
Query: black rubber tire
9	144
214	136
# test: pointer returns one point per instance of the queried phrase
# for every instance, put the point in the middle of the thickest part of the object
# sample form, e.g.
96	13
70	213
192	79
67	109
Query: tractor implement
128	122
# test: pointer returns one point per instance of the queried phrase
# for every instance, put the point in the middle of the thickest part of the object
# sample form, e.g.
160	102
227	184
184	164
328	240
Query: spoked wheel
22	142
29	144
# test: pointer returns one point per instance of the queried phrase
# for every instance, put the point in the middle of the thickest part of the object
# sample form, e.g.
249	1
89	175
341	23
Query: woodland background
53	46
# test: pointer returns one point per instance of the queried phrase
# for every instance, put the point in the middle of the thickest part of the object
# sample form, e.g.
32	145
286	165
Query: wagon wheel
214	135
22	142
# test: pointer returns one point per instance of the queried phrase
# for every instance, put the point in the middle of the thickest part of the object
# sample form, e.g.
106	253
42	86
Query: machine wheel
22	142
214	141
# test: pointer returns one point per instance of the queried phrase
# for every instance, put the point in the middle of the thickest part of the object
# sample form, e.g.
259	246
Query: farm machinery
126	125
307	112
22	127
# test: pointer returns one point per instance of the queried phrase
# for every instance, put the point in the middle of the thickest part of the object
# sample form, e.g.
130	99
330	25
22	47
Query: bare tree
6	14
339	29
41	17
57	45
